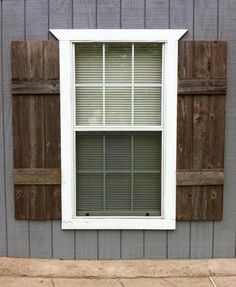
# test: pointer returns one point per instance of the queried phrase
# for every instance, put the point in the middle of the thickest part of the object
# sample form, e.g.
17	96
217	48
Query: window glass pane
89	195
118	152
121	179
147	151
89	106
88	63
147	106
89	152
147	191
118	188
118	59
118	106
148	63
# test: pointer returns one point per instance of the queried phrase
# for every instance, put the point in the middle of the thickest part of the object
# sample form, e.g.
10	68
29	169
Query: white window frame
169	37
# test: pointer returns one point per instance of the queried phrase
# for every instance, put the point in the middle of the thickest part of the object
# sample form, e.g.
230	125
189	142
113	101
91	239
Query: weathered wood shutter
200	142
36	129
200	145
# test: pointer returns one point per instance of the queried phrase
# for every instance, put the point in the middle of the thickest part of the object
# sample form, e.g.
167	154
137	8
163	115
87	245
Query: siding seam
145	13
121	244
74	245
96	14
3	135
97	244
144	243
218	18
168	14
72	14
120	14
193	19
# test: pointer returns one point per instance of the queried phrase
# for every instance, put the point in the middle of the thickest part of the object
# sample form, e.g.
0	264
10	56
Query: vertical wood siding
31	20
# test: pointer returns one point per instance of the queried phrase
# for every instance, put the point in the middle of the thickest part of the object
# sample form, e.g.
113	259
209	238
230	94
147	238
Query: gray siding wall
31	20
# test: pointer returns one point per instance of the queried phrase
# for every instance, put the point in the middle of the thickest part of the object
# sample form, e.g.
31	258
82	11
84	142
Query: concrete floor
117	273
229	281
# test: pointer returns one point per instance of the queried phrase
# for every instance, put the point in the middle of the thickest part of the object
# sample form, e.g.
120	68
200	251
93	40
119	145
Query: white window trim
170	38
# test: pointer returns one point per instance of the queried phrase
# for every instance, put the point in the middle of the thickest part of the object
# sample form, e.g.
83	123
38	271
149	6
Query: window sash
104	85
97	160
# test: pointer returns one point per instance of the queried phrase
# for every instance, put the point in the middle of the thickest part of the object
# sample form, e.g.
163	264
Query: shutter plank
22	204
218	60
28	135
53	152
19	60
200	132
184	132
202	59
35	60
184	200
216	131
51	60
52	129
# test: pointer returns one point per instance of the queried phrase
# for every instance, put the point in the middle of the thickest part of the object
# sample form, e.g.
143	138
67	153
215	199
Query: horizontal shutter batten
35	87
52	176
201	87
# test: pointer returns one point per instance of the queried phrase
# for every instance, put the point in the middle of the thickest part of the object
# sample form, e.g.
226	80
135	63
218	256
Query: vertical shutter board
219	60
52	129
183	202
22	202
53	154
184	132
216	129
200	132
35	60
215	202
28	136
185	60
28	131
19	60
184	153
51	60
202	60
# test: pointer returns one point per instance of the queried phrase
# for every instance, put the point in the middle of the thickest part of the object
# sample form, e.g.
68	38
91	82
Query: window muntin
128	94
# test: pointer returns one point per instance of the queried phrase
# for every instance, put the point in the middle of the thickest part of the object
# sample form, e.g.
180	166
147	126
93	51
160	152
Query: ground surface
122	273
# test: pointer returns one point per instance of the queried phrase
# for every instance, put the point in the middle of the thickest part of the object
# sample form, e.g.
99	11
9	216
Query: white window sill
149	223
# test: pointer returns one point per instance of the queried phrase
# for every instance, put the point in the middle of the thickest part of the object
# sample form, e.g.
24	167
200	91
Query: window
118	128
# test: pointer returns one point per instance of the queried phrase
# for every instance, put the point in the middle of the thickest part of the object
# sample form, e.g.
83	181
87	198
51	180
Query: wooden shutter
36	129
200	145
200	134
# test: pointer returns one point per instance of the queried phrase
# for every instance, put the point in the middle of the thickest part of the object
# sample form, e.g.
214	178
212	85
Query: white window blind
118	85
118	172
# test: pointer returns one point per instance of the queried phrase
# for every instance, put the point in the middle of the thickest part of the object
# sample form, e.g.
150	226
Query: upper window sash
121	95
